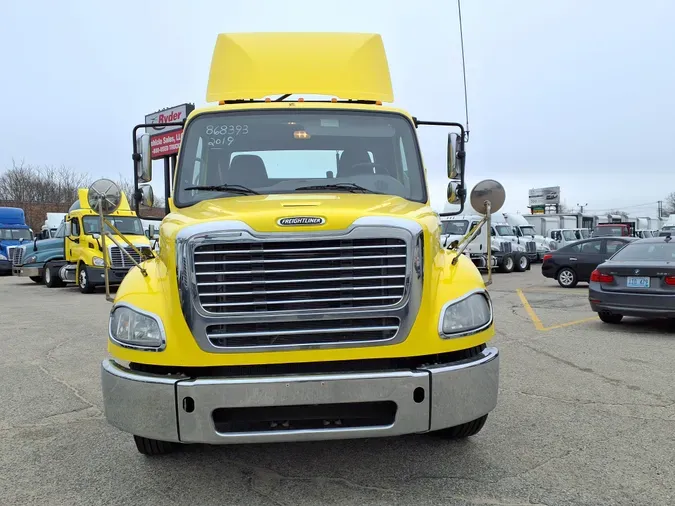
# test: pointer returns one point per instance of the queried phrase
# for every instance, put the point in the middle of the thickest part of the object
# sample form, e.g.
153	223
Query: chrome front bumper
27	271
182	409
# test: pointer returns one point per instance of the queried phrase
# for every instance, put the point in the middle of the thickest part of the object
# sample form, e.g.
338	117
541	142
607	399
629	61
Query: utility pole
660	209
581	207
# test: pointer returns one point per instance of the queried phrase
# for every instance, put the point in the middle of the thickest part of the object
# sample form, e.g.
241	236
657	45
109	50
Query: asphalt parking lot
586	416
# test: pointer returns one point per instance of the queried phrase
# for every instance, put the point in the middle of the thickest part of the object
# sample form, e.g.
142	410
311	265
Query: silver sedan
639	280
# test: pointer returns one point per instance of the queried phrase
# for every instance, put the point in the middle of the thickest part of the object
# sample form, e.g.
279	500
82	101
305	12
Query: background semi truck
13	232
75	255
308	299
507	255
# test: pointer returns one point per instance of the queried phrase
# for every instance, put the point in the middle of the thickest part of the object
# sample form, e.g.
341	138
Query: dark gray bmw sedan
638	280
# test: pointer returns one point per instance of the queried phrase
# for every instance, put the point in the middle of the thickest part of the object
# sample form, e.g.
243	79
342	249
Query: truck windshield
274	152
125	224
504	230
15	234
569	235
528	230
455	227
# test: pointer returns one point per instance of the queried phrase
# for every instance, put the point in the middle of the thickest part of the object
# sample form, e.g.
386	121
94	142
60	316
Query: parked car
575	262
639	280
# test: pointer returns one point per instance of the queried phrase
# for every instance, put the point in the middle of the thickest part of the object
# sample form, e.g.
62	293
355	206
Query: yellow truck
81	260
300	291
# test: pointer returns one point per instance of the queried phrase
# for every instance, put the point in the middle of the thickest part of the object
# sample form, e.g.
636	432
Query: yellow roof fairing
83	198
256	65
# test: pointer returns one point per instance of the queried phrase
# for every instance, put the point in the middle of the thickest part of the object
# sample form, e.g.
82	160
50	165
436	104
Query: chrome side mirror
147	195
144	162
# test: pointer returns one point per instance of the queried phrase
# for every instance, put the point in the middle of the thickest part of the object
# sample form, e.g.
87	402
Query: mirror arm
466	240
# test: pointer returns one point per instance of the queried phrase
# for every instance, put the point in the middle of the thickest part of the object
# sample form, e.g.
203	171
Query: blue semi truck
13	233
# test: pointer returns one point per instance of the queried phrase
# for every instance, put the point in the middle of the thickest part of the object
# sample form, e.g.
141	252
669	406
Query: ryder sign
165	140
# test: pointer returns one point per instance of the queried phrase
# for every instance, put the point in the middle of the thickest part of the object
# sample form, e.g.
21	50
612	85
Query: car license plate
637	282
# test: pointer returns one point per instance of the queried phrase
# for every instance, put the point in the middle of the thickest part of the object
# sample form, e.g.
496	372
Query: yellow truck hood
261	212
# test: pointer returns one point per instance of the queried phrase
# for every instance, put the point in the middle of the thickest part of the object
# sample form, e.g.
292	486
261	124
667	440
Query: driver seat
248	171
351	157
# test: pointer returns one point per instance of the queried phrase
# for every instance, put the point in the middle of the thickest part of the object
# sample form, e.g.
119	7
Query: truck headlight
98	262
30	259
2	257
467	315
132	328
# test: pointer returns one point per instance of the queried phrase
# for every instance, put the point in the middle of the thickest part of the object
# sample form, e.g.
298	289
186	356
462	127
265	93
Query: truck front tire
52	280
152	447
507	264
522	262
83	280
462	431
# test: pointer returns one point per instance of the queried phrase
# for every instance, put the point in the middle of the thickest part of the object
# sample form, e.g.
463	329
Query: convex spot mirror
490	191
456	156
144	162
147	195
104	196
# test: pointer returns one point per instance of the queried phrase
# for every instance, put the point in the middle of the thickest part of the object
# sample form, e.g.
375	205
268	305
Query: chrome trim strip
470	332
130	346
222	232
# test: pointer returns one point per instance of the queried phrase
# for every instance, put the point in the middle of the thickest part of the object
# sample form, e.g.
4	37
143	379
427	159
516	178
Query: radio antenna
466	98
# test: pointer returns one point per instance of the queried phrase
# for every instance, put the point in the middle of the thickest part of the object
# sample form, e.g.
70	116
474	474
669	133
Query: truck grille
119	259
16	255
531	247
505	247
276	276
302	332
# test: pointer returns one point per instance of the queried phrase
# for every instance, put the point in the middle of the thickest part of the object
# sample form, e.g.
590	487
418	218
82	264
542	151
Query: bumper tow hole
418	395
188	404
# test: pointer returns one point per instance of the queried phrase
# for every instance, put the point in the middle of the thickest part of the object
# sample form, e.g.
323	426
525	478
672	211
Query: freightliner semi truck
300	291
75	254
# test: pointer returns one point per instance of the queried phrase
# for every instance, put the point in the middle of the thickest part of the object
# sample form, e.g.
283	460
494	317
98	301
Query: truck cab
301	291
30	258
13	233
527	231
504	230
614	230
83	259
563	236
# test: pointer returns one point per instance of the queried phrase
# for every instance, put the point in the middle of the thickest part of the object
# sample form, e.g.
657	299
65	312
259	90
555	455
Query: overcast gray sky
575	93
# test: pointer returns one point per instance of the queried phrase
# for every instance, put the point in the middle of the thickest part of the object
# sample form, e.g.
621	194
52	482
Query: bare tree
623	214
27	183
564	208
669	204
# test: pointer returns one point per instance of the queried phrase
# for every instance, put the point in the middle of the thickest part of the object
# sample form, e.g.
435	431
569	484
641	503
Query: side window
196	173
612	246
493	232
75	227
404	163
572	248
592	247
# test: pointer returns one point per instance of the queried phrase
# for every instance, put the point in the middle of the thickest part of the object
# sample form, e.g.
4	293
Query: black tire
36	279
508	264
152	447
522	263
83	281
610	317
464	430
567	278
52	280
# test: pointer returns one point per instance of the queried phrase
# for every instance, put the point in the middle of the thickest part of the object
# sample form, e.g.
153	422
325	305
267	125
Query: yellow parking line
583	320
537	321
533	316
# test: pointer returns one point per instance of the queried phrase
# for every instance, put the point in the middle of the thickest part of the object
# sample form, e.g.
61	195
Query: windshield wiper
347	187
234	188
